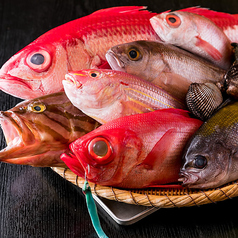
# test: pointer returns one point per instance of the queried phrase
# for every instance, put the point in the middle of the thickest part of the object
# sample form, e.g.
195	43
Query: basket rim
155	197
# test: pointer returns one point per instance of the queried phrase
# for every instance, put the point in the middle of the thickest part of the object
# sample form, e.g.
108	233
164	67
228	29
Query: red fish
39	68
138	151
227	22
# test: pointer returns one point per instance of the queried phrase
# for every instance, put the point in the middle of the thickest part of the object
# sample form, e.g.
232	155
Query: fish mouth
187	178
18	137
114	61
19	87
70	78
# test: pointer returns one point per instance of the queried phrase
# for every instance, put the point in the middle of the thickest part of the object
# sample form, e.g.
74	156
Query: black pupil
172	19
100	148
93	74
133	54
200	161
37	59
37	108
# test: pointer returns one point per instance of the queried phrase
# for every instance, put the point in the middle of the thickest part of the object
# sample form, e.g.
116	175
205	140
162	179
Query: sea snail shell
202	99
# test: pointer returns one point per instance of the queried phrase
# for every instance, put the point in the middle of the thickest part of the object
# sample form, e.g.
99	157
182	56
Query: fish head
205	163
140	58
107	155
175	27
92	89
39	68
37	131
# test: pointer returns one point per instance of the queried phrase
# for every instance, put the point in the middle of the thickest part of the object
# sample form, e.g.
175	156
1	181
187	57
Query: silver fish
164	65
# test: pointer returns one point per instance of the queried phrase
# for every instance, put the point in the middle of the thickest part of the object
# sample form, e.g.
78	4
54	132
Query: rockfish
37	131
211	157
164	65
137	151
39	68
196	34
107	94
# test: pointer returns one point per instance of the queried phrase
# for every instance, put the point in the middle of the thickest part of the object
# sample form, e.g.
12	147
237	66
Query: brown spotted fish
38	131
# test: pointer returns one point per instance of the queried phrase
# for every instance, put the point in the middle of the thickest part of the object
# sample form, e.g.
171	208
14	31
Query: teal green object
92	209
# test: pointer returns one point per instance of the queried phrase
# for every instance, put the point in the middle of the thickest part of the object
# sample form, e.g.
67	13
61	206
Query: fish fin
162	160
73	163
162	148
104	65
123	9
212	51
206	12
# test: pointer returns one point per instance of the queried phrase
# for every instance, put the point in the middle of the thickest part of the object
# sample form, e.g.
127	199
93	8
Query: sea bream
108	94
37	131
164	65
39	68
196	34
137	151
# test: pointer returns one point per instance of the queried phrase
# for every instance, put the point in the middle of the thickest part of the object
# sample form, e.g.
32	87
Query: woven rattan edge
164	198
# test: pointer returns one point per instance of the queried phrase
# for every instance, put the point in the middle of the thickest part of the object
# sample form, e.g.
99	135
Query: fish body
164	65
39	68
210	158
137	151
227	22
106	94
37	131
196	34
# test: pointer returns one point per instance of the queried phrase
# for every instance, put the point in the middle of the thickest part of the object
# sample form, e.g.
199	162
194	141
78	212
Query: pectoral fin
207	47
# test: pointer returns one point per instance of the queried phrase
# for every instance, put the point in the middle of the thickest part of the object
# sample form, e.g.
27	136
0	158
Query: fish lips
114	62
16	133
11	84
187	178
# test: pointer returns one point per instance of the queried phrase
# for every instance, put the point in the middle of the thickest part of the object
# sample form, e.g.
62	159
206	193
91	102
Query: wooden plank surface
36	202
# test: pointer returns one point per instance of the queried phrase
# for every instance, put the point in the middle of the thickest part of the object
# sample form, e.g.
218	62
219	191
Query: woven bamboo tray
163	198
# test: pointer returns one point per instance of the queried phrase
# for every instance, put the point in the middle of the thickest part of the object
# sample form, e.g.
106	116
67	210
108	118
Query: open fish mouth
187	178
17	136
114	62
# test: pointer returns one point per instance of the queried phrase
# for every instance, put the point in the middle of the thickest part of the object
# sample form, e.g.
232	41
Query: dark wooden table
36	202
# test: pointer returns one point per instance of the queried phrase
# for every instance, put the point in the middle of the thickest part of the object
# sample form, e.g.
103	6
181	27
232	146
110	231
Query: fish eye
200	161
173	20
39	61
37	107
94	74
100	149
134	54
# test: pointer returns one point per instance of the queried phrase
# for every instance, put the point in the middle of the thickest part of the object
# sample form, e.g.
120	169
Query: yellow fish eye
94	74
134	54
37	107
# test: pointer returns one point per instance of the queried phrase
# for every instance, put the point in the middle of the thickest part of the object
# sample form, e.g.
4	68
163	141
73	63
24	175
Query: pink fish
138	151
227	22
107	94
39	68
196	34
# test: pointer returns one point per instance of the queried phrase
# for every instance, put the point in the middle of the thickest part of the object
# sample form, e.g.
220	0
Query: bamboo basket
162	198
